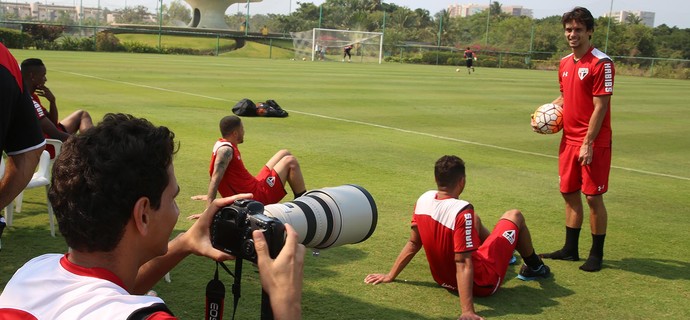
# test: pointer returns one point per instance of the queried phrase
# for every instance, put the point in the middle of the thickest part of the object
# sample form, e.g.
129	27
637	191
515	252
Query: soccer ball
457	70
304	59
548	119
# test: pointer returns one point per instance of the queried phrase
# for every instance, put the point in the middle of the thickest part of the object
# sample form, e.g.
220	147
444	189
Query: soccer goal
330	44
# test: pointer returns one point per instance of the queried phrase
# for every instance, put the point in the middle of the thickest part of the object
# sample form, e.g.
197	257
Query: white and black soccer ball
548	119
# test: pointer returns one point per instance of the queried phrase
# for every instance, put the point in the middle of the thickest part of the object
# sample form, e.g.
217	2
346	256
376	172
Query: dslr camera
232	227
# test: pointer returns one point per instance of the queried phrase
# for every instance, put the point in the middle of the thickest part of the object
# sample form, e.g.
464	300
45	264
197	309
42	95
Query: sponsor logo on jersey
608	77
510	236
468	231
582	72
565	74
39	109
271	181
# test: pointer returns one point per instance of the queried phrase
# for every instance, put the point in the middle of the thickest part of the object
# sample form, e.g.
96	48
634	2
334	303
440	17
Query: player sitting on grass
463	256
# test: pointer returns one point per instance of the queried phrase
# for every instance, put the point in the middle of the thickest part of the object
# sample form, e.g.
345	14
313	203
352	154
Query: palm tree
633	19
495	8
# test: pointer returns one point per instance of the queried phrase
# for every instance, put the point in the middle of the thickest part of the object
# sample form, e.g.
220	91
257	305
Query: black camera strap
215	292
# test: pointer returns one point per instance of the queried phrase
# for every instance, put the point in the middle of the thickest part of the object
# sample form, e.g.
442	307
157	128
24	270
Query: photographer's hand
282	278
199	234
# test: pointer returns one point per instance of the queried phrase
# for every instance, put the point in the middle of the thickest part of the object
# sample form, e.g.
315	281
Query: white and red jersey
446	226
580	81
51	287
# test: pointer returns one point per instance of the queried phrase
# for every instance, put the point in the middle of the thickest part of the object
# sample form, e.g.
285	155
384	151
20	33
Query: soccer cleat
526	273
560	255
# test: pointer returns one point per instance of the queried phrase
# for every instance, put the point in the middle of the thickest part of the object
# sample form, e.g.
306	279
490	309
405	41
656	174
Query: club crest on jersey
582	72
510	236
271	181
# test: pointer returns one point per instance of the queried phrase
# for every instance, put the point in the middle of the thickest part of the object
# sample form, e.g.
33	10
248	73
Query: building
646	17
48	13
466	10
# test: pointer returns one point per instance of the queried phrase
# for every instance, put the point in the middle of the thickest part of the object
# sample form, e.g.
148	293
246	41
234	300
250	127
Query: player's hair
229	124
580	15
448	170
101	173
29	65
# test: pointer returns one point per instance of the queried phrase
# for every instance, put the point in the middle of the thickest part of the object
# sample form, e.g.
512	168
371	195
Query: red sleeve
161	315
603	78
465	234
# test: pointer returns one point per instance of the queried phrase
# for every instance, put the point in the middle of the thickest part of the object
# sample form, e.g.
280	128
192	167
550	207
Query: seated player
34	74
229	175
463	255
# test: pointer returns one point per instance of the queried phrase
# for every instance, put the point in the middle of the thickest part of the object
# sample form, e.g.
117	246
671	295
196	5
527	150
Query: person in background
34	73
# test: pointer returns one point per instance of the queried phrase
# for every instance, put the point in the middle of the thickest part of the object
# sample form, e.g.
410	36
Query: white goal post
328	44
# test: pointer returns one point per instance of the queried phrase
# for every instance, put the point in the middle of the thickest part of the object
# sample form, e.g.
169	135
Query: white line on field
378	126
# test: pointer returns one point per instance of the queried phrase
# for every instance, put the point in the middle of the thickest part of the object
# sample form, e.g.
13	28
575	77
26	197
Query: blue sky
670	12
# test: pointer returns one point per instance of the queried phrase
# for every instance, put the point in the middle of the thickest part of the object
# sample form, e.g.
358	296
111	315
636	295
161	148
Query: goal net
330	44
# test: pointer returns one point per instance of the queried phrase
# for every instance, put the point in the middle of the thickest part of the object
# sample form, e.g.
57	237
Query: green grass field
383	127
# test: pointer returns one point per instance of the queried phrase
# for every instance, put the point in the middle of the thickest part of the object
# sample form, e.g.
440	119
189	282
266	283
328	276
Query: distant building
43	12
466	10
622	16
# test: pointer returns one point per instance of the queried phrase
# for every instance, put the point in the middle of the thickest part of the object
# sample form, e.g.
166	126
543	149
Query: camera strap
215	298
215	292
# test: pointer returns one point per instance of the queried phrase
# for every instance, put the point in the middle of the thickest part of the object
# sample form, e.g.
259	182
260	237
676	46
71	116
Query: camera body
232	227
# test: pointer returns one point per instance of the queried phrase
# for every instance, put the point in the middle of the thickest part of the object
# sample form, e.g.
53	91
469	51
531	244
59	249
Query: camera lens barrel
329	217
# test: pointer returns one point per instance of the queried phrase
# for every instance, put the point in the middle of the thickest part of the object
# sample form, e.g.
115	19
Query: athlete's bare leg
289	170
78	121
598	215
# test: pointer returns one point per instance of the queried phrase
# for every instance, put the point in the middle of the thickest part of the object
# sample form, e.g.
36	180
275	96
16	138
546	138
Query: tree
633	19
496	8
177	13
64	18
133	15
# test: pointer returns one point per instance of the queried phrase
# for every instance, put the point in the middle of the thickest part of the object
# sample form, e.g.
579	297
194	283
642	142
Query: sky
670	12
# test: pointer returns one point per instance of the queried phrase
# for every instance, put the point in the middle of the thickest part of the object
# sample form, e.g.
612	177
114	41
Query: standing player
463	256
584	158
469	58
346	53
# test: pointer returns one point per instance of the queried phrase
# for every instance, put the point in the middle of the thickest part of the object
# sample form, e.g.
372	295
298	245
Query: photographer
113	193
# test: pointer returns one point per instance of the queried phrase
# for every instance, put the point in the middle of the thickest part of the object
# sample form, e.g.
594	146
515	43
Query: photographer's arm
282	278
195	241
408	252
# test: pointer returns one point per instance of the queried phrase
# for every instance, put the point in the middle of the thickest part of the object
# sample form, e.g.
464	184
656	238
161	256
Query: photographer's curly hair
448	170
101	173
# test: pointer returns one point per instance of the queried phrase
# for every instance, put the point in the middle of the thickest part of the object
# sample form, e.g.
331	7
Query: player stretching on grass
584	157
464	257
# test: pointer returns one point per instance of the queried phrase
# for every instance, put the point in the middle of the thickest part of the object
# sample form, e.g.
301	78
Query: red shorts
592	179
271	189
493	257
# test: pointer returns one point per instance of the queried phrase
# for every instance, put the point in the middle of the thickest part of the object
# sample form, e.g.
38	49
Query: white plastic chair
41	178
